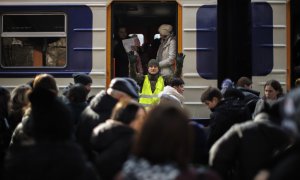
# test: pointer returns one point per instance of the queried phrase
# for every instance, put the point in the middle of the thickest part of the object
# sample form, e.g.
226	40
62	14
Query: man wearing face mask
166	53
153	83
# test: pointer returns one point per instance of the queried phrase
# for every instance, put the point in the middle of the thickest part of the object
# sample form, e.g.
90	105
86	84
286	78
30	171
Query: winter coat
15	117
246	148
5	135
166	55
77	109
48	161
121	60
98	111
111	141
224	115
200	149
286	164
23	133
251	98
260	105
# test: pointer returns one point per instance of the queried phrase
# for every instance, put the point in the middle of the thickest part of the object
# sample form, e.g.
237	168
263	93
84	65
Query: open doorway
234	39
295	41
141	19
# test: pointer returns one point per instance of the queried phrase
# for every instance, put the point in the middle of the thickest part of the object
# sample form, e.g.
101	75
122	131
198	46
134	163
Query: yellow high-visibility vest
146	96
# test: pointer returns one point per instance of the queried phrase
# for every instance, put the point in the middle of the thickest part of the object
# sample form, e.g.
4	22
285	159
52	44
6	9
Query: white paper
128	43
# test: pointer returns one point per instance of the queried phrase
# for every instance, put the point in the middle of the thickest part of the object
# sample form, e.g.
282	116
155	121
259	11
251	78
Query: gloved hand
179	59
131	57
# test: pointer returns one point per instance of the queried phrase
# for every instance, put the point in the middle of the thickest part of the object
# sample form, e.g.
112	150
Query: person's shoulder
173	37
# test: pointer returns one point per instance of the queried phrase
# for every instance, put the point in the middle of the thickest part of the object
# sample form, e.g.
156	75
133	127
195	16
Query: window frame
61	34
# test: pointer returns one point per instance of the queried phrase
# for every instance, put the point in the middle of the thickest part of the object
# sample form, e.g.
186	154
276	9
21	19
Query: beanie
82	78
123	85
133	83
153	62
165	29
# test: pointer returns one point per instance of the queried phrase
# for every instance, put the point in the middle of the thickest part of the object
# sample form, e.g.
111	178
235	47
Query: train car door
294	41
234	42
141	19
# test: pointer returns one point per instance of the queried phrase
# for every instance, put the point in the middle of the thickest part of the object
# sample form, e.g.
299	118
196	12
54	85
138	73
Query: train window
156	36
208	51
207	57
33	23
295	41
33	40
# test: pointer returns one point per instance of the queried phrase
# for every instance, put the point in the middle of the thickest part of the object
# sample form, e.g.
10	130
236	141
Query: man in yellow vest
152	83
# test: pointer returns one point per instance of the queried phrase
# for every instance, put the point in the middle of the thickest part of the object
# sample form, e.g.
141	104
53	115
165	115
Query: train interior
143	19
295	41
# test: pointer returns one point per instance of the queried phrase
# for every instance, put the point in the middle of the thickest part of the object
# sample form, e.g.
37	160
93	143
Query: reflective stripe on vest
146	96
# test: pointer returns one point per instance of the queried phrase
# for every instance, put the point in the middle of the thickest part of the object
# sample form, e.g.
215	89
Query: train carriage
260	39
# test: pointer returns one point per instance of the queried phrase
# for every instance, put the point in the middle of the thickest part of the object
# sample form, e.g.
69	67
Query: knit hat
165	29
153	62
82	78
123	85
133	83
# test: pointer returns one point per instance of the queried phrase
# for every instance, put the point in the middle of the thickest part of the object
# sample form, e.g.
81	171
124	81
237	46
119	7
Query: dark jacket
286	164
224	115
246	148
251	98
200	152
98	111
48	161
5	135
77	109
15	117
23	133
121	60
111	142
287	169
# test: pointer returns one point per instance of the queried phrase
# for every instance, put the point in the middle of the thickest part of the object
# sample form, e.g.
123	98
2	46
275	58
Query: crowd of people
48	135
139	129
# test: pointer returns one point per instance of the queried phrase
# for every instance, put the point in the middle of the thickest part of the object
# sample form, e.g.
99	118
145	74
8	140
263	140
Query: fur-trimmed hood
170	91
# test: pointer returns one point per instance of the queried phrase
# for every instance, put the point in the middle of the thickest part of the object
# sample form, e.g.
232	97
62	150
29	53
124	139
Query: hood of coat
103	102
108	133
172	91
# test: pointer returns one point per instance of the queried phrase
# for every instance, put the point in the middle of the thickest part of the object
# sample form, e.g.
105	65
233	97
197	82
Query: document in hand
128	43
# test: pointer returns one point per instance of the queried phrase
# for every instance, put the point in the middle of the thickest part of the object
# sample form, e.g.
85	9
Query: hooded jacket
111	142
247	147
170	94
98	111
